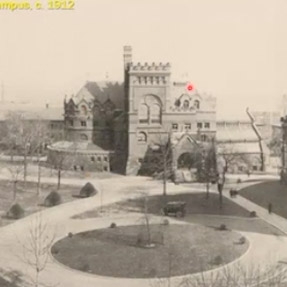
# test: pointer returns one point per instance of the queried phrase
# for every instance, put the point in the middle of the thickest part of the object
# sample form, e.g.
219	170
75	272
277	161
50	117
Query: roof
80	147
31	112
235	131
102	92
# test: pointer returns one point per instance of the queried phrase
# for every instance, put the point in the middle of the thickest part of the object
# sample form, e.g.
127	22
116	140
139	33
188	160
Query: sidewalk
273	219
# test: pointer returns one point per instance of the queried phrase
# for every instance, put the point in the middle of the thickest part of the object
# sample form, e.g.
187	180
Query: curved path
265	249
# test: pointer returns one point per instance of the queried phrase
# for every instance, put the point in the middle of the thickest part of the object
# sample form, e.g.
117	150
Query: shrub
113	225
222	227
217	260
55	250
242	240
52	199
70	234
165	222
239	180
88	190
252	214
85	267
16	211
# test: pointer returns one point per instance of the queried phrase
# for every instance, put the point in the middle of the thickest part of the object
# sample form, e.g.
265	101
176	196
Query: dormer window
197	104
83	123
185	104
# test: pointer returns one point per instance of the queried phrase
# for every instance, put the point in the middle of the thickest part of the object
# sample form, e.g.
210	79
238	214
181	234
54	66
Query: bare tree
36	249
39	139
15	171
158	159
23	137
62	159
227	157
207	167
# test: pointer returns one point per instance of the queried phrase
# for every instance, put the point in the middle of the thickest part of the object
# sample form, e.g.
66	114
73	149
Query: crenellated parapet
150	68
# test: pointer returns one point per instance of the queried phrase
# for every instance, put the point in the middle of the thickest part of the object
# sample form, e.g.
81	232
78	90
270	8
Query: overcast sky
235	50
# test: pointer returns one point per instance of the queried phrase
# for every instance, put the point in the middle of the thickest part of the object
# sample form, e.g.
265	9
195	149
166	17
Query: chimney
47	105
127	56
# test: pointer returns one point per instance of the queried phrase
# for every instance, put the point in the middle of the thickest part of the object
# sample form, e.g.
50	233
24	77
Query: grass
114	252
268	192
27	197
196	203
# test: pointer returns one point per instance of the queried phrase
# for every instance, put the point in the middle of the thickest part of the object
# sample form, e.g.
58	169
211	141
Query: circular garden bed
179	249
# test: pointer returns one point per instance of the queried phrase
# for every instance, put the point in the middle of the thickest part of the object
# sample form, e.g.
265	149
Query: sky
234	50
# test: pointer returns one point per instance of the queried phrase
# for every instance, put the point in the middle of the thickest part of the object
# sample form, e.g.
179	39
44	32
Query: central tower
148	96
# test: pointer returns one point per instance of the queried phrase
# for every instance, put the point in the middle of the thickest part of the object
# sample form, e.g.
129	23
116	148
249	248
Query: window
207	125
196	104
175	127
71	122
185	104
84	109
150	110
99	158
105	158
142	137
105	168
155	114
187	126
199	125
203	138
254	167
83	123
92	158
143	113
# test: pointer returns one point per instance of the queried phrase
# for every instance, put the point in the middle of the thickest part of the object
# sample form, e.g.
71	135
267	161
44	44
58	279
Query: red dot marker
189	87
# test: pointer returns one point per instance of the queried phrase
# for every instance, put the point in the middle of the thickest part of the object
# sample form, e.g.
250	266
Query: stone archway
186	160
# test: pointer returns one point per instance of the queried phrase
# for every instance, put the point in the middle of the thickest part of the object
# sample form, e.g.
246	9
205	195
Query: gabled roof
102	92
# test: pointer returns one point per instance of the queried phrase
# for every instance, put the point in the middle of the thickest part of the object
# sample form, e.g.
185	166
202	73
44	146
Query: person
270	208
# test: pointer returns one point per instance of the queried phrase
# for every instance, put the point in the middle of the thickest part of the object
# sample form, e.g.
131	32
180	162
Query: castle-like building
111	126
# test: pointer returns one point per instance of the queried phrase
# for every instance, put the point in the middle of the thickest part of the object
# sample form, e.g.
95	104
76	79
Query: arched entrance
186	160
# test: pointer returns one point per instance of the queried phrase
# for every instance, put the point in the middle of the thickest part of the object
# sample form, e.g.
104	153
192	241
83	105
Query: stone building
121	123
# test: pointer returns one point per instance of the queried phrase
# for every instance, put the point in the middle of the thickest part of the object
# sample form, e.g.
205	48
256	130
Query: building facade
122	123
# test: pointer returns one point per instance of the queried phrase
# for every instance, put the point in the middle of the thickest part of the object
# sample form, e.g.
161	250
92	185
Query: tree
228	156
39	139
15	171
36	248
61	159
158	160
207	165
24	137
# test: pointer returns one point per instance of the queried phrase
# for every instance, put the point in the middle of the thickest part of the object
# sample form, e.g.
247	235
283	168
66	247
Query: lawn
268	192
182	249
27	197
4	283
196	203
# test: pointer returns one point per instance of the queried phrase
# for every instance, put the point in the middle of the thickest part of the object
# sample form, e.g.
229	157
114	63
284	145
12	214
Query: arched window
142	137
84	109
150	110
185	104
83	137
155	114
197	104
143	113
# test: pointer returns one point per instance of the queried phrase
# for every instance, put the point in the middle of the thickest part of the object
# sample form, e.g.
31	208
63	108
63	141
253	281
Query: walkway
266	249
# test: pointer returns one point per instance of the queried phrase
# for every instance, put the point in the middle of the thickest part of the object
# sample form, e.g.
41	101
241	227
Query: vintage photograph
143	143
